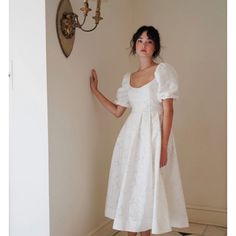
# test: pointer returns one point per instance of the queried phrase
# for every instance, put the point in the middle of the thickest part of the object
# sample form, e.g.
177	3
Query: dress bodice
143	99
149	96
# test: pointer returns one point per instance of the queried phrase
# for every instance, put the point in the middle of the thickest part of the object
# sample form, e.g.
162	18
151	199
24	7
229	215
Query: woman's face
145	47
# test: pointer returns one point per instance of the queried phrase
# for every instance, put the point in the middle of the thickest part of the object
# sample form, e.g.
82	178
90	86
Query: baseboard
207	215
105	229
196	214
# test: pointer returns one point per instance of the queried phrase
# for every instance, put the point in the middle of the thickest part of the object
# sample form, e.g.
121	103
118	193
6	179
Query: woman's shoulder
164	66
125	79
165	70
166	78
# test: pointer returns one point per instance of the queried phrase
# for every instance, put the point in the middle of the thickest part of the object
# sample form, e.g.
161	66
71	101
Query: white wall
193	35
81	132
29	196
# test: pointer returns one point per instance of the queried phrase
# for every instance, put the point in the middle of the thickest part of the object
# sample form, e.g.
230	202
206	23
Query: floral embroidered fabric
140	194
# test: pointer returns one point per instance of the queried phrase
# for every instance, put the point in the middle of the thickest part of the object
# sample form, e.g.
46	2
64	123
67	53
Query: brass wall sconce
67	22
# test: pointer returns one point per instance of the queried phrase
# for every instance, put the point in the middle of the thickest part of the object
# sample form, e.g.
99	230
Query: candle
98	5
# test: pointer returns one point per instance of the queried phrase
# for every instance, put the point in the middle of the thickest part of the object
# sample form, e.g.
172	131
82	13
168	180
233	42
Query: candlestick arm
85	9
97	17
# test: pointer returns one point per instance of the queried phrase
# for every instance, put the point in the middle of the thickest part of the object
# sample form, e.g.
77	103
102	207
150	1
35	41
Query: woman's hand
93	81
116	110
163	159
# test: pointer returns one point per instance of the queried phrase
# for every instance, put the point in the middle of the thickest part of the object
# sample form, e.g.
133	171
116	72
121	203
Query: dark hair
152	34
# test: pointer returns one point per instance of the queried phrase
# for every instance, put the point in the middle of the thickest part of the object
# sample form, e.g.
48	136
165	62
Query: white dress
141	195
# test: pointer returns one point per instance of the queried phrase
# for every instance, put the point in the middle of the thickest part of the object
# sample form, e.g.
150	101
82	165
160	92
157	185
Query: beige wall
193	37
82	133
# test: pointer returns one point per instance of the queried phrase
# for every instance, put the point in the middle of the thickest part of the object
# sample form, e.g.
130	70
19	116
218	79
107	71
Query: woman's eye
140	40
151	42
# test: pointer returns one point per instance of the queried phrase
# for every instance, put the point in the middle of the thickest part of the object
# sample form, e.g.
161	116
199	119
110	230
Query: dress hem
120	227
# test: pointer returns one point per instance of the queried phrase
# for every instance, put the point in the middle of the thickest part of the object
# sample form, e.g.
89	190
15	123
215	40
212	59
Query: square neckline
156	69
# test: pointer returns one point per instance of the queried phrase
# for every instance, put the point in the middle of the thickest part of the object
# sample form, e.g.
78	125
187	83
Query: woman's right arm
116	110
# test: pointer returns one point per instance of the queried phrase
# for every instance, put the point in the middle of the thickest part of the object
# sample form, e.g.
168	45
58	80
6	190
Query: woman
144	189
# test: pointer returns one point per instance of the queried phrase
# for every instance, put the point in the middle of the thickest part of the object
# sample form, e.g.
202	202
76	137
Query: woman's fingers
163	162
163	157
93	71
93	74
93	79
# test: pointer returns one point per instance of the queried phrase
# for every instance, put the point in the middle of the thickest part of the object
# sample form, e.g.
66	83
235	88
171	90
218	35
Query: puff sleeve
122	93
167	80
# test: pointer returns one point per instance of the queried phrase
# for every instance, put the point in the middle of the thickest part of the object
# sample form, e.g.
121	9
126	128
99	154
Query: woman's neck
144	63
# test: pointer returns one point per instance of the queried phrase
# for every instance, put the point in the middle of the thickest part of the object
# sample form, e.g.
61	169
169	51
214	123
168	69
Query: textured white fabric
166	77
140	194
122	94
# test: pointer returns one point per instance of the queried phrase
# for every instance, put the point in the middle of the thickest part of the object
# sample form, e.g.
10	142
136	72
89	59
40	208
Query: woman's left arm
166	128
